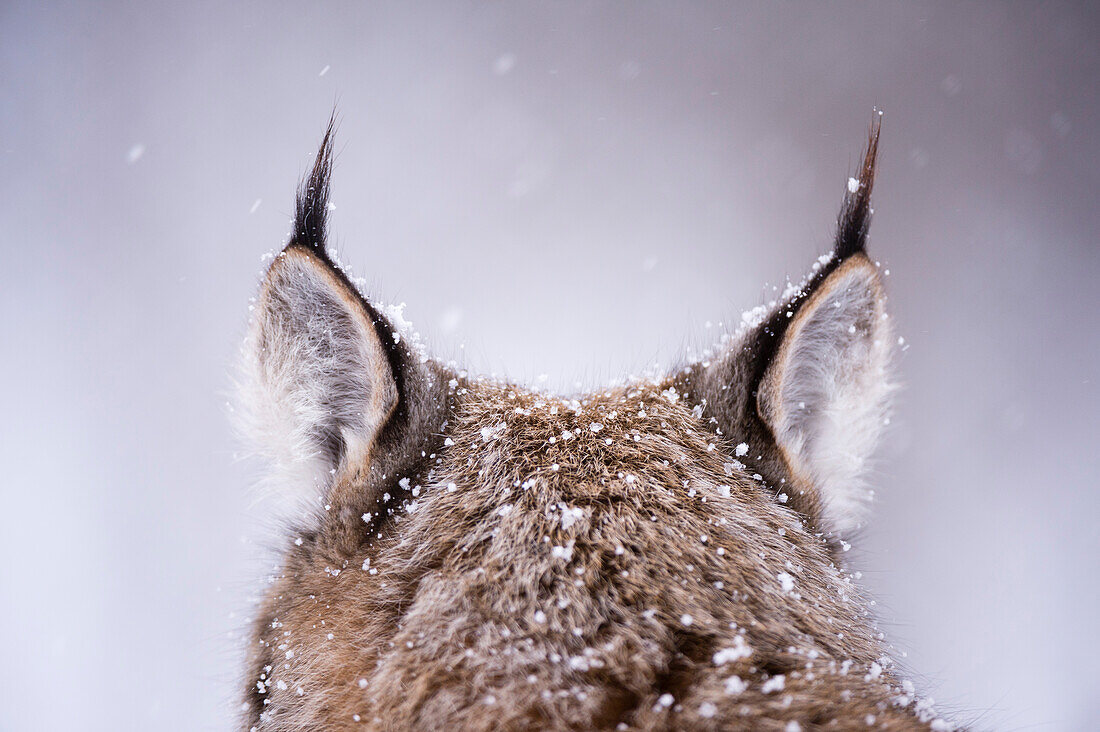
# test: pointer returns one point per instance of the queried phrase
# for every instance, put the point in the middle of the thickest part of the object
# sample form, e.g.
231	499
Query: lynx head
462	553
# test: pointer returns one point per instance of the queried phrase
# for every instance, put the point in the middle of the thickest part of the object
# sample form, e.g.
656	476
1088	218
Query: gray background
568	189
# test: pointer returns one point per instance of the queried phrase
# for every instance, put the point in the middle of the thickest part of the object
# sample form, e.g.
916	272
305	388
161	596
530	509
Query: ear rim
773	376
383	401
833	517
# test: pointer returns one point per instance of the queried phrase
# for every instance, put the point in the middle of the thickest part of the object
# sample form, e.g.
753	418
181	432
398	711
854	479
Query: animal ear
805	385
319	385
321	367
824	395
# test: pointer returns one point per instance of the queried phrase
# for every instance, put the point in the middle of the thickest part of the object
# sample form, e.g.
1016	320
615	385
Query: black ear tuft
311	207
855	214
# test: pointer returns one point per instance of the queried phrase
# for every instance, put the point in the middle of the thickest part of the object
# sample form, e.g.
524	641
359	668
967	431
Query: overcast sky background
572	189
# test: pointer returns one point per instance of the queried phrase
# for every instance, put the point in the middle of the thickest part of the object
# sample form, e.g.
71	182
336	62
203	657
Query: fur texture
659	556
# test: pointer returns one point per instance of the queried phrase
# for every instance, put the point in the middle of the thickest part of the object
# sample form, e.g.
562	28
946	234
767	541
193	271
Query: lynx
462	553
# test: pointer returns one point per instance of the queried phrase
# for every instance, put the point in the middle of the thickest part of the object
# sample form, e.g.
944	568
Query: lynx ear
825	393
341	402
805	387
318	382
320	386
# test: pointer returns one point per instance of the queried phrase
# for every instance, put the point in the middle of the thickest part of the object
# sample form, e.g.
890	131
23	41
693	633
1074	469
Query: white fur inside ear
827	395
315	385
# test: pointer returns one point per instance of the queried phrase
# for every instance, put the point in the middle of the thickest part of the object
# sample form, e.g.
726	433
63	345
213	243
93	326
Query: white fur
312	376
828	395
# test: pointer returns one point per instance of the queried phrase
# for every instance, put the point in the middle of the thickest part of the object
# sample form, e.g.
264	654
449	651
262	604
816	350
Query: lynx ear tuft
855	215
825	394
312	202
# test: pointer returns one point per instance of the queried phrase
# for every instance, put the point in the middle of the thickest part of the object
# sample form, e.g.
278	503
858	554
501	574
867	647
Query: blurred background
575	190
